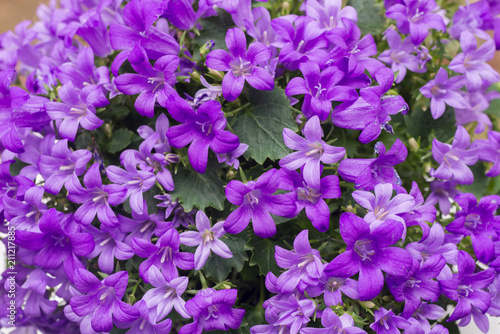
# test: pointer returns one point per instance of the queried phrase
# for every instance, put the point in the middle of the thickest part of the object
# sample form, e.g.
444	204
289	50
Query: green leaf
83	140
261	126
481	181
263	256
218	267
370	17
16	166
121	139
420	123
199	190
215	29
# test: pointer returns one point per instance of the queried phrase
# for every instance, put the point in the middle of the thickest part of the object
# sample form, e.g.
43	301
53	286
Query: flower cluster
140	138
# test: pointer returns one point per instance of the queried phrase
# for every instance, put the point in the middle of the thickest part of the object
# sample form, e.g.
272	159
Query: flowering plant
156	158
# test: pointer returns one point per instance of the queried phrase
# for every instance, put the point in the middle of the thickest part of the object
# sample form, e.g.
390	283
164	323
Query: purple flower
454	158
241	64
332	289
109	245
467	288
166	295
207	239
366	173
208	93
303	263
102	300
442	192
477	103
203	128
56	244
368	253
442	91
82	72
142	324
472	18
418	284
256	200
212	310
231	158
292	312
159	134
421	213
477	220
312	150
319	89
136	182
96	199
165	255
329	14
437	242
400	56
386	322
299	41
416	17
333	323
139	32
26	214
57	166
260	27
381	207
77	108
472	62
312	198
489	150
370	112
151	83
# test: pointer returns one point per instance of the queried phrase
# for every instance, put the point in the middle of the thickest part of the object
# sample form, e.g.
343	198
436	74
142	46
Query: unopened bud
368	304
216	74
107	130
207	47
350	208
285	8
195	76
413	144
172	158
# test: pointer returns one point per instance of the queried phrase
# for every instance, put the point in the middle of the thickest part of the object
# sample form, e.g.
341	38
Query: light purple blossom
207	239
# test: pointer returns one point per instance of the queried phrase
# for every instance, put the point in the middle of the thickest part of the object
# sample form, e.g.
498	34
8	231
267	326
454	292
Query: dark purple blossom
454	158
418	284
443	91
332	289
489	150
213	310
311	151
25	215
165	255
416	17
477	103
207	239
368	253
366	173
56	245
83	72
159	134
312	198
292	312
96	198
256	200
241	64
467	288
231	158
142	324
442	192
319	89
472	62
151	83
421	214
101	300
477	220
370	112
298	41
203	128
329	14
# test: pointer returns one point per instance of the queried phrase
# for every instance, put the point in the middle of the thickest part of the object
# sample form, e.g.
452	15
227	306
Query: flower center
306	259
308	194
241	67
364	248
208	236
100	197
60	240
205	127
472	220
380	213
319	90
212	312
252	198
464	290
335	283
167	254
316	150
418	15
412	282
157	81
449	158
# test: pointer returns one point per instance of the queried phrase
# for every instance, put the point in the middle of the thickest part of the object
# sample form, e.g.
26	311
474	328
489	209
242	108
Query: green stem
203	280
243	176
